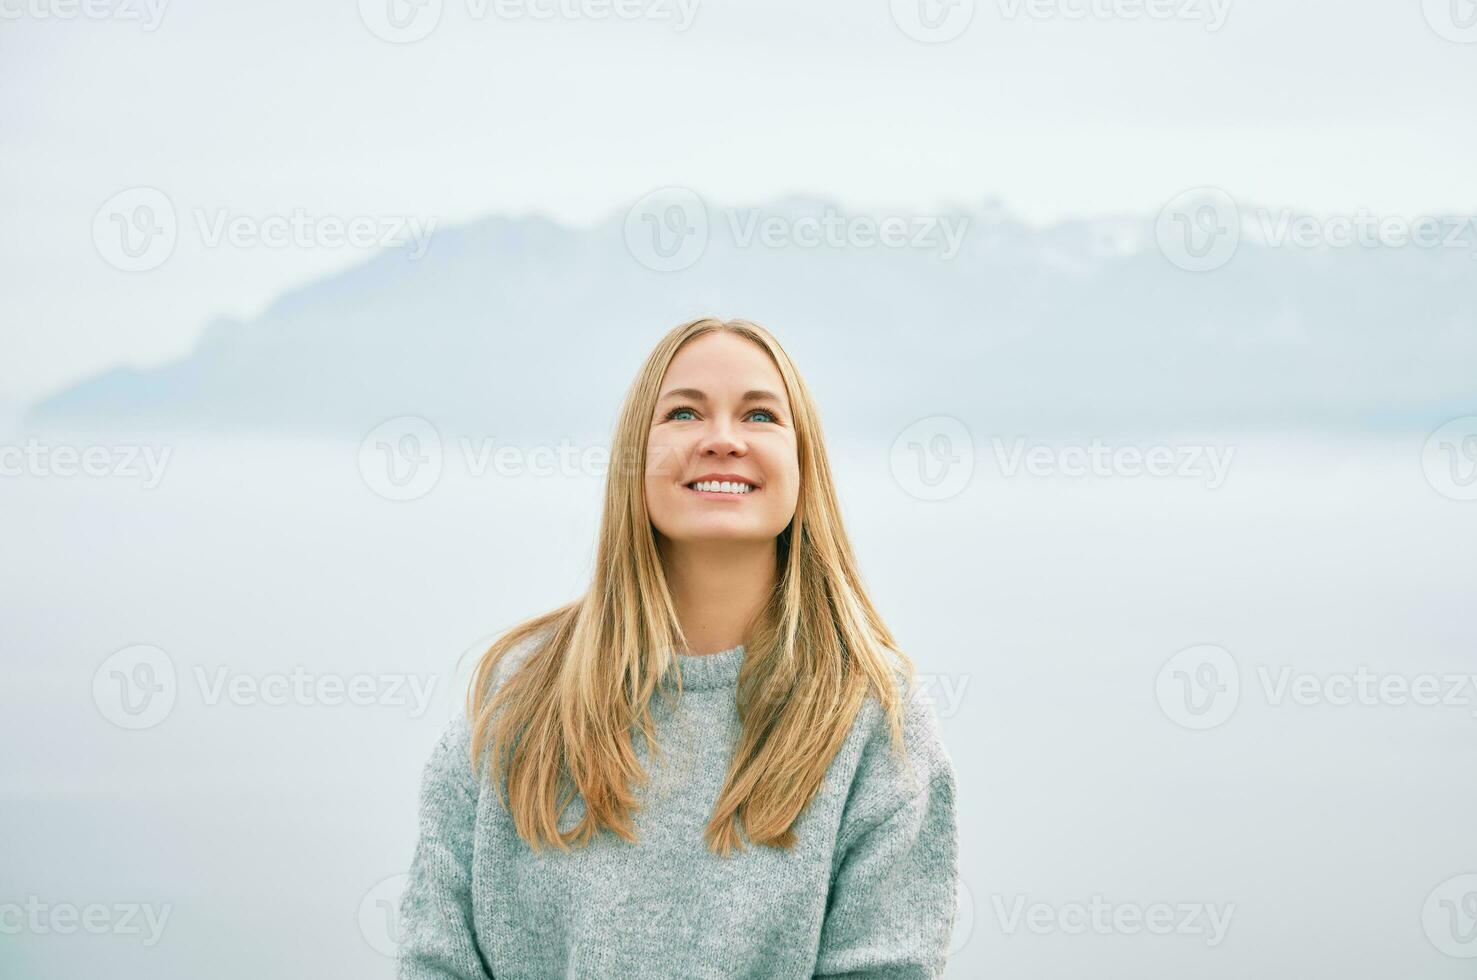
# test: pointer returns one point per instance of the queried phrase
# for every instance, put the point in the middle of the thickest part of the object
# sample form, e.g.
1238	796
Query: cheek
662	459
786	464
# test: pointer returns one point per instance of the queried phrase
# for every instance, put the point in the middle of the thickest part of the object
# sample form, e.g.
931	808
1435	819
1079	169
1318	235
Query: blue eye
673	413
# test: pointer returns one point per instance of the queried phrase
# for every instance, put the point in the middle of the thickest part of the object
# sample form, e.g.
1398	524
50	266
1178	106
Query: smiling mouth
722	488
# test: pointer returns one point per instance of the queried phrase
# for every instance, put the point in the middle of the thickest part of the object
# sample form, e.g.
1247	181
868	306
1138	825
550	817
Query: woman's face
721	415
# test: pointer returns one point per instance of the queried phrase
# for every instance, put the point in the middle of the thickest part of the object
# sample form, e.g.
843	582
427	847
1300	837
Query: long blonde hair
563	722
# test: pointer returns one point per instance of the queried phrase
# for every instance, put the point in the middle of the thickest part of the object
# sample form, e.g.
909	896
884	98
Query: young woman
788	808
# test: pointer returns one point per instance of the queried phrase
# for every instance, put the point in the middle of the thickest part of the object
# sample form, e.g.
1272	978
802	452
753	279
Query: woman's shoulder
456	737
886	774
516	656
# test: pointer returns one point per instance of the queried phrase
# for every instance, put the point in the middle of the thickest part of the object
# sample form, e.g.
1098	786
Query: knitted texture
868	890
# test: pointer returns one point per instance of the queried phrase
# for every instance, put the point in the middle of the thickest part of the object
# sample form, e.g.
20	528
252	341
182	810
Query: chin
697	534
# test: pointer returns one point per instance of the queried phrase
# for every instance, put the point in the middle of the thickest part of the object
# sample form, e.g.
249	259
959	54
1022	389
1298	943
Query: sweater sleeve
436	937
890	913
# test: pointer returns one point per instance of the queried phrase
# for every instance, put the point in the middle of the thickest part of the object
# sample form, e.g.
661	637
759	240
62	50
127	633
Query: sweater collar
709	670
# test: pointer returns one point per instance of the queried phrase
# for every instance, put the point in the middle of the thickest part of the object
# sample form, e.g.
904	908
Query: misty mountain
525	327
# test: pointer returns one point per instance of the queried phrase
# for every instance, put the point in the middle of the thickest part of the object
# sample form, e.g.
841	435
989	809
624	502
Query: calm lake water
219	692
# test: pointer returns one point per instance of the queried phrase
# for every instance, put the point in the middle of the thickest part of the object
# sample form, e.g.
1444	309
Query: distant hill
525	326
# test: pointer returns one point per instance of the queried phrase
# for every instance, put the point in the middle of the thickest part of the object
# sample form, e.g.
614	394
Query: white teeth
721	486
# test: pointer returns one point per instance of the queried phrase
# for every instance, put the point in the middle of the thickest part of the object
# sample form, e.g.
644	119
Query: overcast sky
276	107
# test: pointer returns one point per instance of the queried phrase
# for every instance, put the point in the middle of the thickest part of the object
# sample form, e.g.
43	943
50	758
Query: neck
718	587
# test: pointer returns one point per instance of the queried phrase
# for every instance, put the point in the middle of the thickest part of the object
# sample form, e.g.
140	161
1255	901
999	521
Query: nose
722	438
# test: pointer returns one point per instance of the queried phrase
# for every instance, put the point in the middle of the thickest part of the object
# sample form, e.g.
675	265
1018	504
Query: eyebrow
752	395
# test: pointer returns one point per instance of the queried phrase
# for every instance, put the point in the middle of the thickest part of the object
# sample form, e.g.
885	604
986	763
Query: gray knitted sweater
868	891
